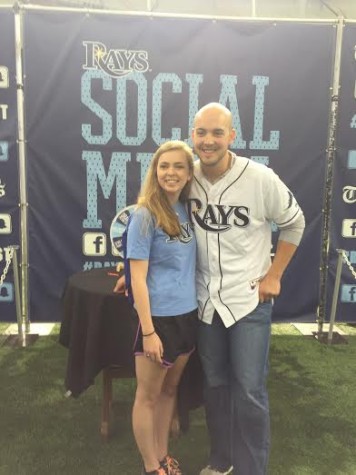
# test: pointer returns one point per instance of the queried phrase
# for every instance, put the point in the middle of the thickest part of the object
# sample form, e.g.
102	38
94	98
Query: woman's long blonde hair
153	197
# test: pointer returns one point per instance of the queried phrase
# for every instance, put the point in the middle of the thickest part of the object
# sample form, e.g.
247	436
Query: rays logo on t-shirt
186	234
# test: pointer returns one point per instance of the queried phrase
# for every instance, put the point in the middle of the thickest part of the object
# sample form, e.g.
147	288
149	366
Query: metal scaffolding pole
336	295
22	171
333	116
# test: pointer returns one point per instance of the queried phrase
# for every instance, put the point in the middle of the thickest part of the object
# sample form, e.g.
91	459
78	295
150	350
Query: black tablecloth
98	328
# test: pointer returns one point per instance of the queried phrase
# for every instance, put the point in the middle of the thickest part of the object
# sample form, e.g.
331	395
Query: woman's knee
146	396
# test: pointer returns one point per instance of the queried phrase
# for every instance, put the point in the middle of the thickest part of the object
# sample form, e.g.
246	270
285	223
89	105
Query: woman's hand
120	285
153	348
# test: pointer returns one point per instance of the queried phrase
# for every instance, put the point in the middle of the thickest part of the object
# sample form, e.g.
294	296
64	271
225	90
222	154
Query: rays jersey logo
114	62
217	218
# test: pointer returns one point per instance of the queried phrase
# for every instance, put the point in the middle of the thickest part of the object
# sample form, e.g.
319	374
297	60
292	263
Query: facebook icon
348	293
94	244
349	228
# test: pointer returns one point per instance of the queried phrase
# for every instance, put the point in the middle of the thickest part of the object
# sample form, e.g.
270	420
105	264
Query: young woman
161	248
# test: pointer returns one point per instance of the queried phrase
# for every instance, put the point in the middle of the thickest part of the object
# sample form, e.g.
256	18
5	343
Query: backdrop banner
343	219
109	89
9	192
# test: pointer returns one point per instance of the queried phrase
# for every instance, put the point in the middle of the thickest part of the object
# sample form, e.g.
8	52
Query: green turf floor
312	390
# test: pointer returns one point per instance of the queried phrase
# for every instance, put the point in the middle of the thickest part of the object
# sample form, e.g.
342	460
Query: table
98	328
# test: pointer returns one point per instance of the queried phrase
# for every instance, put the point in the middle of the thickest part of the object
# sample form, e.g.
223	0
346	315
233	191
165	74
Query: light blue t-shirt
171	267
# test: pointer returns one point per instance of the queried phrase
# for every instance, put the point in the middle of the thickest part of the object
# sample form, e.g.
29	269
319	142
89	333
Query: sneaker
171	466
159	471
209	470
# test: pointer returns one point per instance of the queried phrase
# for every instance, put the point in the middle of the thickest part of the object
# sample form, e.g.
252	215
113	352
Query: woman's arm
152	344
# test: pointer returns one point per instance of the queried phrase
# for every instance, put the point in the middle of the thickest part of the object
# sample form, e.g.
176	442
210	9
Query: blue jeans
235	363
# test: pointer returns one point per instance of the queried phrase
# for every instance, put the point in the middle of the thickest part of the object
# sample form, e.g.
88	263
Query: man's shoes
208	470
171	466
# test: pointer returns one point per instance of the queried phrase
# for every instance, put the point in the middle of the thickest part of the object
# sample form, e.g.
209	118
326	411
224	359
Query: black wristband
149	334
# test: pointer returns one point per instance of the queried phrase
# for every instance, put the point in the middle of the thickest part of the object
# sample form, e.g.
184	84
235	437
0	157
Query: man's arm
270	284
289	239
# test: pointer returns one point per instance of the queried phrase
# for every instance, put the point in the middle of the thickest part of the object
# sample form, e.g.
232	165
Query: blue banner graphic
9	193
343	219
109	90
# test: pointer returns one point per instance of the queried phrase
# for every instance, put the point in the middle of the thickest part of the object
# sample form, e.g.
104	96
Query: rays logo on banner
114	62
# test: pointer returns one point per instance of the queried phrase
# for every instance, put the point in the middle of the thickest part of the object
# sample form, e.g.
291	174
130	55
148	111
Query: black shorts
178	335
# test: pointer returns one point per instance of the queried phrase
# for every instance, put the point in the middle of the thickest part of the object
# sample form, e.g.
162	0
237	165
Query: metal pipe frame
333	120
22	171
335	295
17	294
175	15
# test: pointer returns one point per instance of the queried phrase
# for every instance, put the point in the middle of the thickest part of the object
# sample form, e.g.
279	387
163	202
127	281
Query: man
232	204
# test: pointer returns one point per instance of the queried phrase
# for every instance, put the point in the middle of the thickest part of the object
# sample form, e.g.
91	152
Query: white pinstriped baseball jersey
232	222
